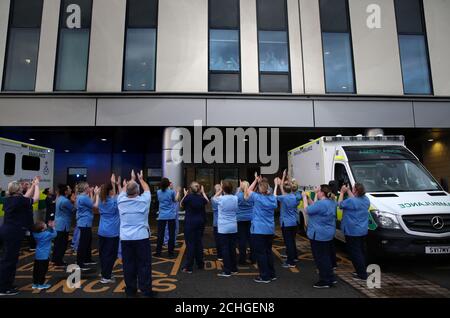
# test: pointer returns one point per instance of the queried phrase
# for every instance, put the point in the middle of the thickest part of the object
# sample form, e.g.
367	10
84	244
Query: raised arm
184	197
252	187
36	189
113	183
344	190
275	190
282	182
202	191
144	184
96	197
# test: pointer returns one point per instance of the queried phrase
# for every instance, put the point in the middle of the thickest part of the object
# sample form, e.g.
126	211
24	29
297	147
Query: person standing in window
18	219
355	225
227	227
263	227
85	216
167	215
244	218
194	203
321	231
108	229
64	211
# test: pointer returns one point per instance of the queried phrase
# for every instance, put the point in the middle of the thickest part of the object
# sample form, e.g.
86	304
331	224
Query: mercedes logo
437	222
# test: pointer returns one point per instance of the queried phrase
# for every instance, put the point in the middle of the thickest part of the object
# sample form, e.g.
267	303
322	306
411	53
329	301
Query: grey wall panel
150	112
4	17
376	53
295	47
47	46
367	114
259	113
432	114
106	46
182	48
312	47
437	18
47	112
249	47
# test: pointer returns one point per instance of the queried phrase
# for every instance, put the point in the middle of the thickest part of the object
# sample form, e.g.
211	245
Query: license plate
437	250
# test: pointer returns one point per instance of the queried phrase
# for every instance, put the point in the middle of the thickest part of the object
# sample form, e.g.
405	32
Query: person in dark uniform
18	220
194	225
50	205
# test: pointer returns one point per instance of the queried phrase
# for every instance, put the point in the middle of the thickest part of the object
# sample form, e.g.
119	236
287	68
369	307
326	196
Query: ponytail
326	189
244	189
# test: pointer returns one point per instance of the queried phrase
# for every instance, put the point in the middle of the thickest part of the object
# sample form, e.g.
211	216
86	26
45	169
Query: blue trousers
108	248
262	246
137	266
193	235
161	230
244	241
59	247
177	229
84	251
11	238
322	252
217	242
228	248
76	238
356	247
289	233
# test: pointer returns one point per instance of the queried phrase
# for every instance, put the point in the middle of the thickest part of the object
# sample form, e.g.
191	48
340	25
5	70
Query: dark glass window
337	46
31	163
140	47
273	46
224	47
413	47
73	45
9	166
23	45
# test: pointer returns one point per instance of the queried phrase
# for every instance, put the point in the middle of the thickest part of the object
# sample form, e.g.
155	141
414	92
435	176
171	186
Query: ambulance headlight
386	220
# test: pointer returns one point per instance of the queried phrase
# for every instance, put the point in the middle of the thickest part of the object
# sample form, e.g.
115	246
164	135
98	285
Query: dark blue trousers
322	253
11	238
228	247
217	242
59	247
262	247
194	246
137	266
356	247
108	248
162	232
84	252
289	233
244	241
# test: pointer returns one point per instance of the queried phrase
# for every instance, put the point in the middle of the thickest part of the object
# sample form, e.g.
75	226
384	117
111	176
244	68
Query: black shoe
223	274
85	268
274	278
357	277
90	263
187	271
262	281
321	285
10	292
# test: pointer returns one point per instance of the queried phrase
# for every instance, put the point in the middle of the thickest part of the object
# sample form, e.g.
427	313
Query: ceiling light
66	150
32	139
28	61
124	151
430	140
104	139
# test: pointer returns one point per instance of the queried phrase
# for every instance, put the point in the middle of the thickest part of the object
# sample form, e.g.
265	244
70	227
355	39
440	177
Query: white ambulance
22	162
410	211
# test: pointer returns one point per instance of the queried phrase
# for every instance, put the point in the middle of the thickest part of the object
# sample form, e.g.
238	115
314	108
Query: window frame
289	72
55	73
5	161
425	38
352	55
125	51
7	46
216	72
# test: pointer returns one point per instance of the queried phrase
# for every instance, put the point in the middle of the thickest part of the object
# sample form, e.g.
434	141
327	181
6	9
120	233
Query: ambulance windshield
389	169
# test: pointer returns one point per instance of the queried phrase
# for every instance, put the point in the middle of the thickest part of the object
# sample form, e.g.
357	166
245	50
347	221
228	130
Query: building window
23	45
224	46
9	165
140	45
30	163
273	45
73	47
413	47
337	46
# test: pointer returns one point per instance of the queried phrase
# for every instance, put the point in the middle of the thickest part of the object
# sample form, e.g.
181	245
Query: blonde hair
13	187
263	187
244	188
82	187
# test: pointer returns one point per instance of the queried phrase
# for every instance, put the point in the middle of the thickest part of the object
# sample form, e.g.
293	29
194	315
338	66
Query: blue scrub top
63	214
322	220
166	199
245	208
85	216
355	221
44	244
288	210
263	213
134	216
215	208
109	218
228	207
